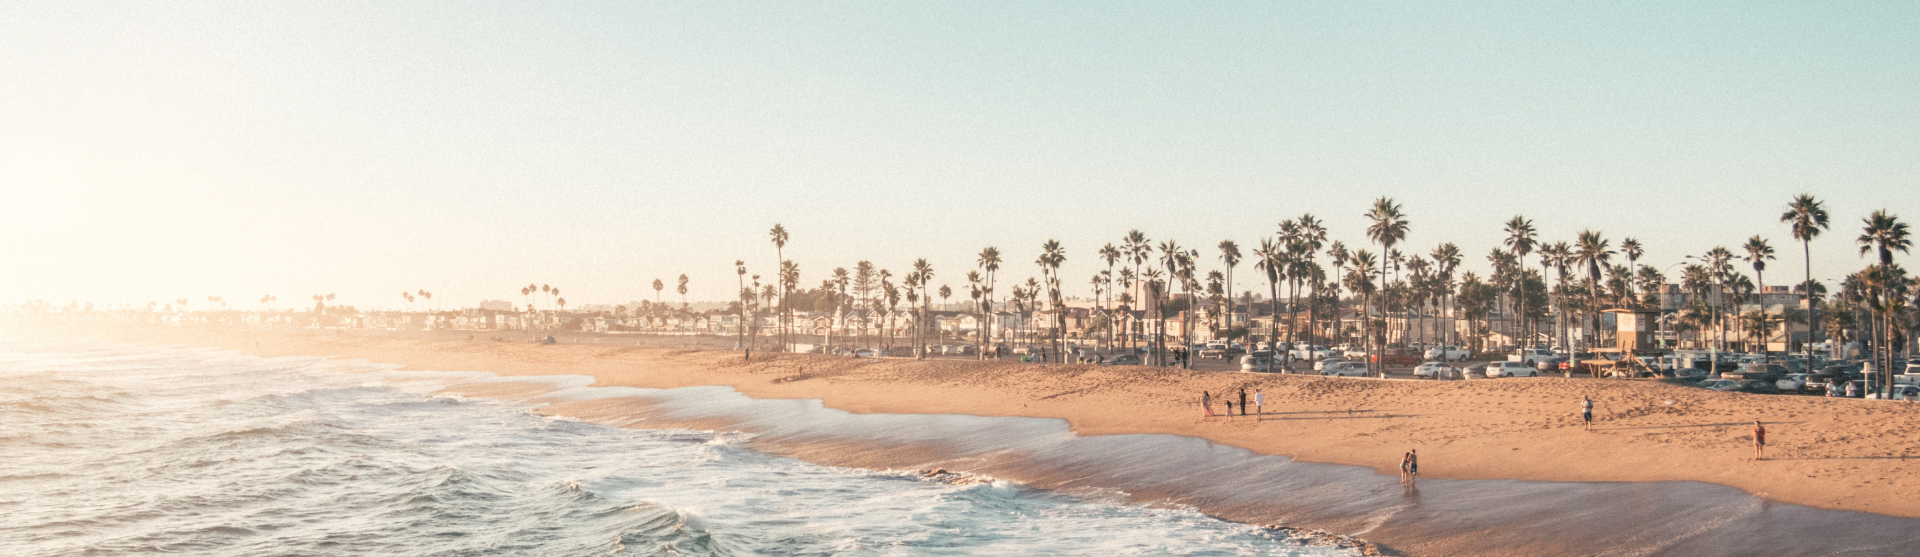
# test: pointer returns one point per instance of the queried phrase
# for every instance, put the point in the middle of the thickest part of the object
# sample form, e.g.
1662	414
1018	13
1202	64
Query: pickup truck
1447	353
1532	357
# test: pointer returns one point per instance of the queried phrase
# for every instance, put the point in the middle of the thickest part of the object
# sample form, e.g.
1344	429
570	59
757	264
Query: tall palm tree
1884	234
1313	234
1632	249
1520	241
1139	251
1170	257
1807	217
1758	254
1360	281
1111	255
682	290
1446	259
923	274
746	296
1559	257
1051	256
789	280
658	285
988	261
1593	251
1720	263
1268	260
1229	254
779	236
1388	227
1337	254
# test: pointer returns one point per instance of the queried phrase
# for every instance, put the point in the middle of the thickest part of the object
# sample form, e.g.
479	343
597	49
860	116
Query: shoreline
1824	453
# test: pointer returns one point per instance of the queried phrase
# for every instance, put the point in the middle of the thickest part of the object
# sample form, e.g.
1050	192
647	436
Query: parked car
1474	370
1446	353
1304	351
1686	373
1534	356
1257	362
1796	382
1354	354
1436	370
1323	363
1122	360
1740	386
1908	393
1757	370
1397	357
1345	369
1510	369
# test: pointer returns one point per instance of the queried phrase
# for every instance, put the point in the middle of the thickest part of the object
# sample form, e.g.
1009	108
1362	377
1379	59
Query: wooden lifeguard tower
1632	335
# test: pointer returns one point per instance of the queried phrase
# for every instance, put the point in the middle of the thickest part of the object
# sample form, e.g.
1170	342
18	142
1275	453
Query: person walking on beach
1759	441
1259	404
1586	411
1409	467
1206	404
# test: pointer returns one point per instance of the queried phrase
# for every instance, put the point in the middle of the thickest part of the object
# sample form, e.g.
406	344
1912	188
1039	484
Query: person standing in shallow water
1409	467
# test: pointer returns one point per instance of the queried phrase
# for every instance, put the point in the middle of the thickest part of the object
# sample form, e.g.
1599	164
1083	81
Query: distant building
497	305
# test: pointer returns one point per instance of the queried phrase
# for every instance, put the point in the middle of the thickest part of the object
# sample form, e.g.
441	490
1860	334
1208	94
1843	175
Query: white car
1436	370
1323	364
1345	369
1446	353
1510	369
1792	382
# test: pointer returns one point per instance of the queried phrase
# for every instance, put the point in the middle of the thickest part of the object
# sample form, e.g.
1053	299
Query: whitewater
118	449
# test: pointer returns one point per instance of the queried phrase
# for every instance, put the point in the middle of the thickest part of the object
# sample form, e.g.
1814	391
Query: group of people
1257	407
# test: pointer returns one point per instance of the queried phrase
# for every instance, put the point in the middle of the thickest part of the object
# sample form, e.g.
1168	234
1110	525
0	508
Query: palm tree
1559	257
1592	251
1170	258
1337	254
1632	249
990	262
1229	254
1758	253
1269	260
1884	234
922	271
1808	218
779	237
1446	259
1312	235
1111	255
1051	256
746	297
1389	227
1138	250
1360	281
1520	242
789	279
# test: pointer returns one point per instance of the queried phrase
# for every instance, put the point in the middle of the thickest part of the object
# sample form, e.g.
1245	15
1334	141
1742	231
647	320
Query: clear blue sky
153	151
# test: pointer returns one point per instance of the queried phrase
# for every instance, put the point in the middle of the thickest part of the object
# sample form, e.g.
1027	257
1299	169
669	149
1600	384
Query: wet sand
1833	454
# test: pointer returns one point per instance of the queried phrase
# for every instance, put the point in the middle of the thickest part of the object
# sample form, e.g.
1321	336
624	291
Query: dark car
1741	386
1122	360
1398	357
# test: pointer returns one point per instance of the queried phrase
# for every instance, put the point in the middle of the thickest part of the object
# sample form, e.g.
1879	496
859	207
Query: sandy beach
1827	453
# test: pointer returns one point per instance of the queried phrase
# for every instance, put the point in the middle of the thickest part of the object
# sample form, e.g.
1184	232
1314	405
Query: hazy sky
163	150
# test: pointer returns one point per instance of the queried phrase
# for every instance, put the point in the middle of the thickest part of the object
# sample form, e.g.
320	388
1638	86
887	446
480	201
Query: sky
154	151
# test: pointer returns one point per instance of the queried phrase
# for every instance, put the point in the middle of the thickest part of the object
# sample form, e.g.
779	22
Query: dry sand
1828	453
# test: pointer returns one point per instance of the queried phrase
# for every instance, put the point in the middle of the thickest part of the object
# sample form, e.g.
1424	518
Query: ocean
119	449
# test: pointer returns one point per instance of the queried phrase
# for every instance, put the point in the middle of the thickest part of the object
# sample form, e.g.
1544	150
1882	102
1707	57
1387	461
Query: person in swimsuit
1586	411
1409	467
1759	441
